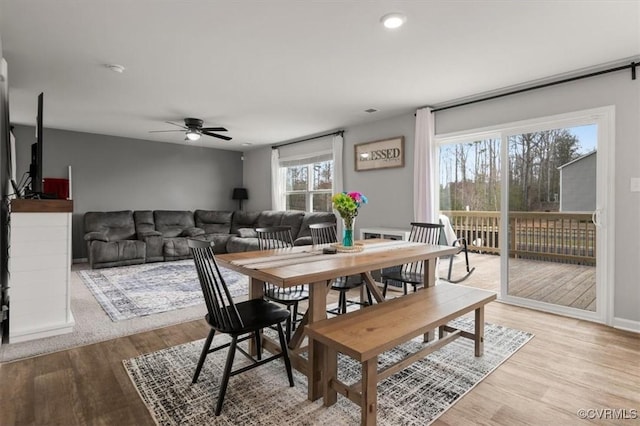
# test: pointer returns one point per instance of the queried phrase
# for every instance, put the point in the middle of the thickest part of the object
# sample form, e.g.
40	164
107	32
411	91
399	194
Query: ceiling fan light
192	135
393	20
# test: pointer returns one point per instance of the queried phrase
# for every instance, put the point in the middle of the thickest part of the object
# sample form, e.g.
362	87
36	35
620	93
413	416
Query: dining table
288	267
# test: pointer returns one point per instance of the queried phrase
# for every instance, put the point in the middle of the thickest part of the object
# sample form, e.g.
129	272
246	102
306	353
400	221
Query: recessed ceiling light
115	67
393	20
371	110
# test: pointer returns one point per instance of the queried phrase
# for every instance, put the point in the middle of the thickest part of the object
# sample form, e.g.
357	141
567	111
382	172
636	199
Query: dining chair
325	233
413	273
242	321
277	237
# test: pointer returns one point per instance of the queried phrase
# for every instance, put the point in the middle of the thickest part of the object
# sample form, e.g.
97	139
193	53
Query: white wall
612	89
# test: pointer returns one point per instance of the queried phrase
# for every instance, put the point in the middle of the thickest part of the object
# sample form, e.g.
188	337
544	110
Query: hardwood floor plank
63	406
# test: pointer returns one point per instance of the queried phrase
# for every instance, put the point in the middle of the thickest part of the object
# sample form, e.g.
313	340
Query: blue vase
347	231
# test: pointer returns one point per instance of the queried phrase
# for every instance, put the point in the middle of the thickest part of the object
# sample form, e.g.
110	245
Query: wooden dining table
289	267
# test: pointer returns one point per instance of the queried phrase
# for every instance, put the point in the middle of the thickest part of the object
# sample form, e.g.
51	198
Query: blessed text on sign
380	154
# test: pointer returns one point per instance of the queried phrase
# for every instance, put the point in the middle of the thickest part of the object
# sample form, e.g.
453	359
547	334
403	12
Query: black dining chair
325	233
413	273
242	321
277	237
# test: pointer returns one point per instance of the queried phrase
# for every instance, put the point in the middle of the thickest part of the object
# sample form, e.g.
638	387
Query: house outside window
308	187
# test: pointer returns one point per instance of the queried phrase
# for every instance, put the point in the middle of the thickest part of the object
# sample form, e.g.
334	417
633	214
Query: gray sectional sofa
132	237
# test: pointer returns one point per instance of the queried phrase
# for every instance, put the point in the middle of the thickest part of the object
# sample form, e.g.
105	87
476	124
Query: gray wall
390	191
113	173
612	89
578	185
257	179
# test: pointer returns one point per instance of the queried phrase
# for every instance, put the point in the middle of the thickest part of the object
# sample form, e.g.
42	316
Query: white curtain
424	192
338	172
337	144
277	182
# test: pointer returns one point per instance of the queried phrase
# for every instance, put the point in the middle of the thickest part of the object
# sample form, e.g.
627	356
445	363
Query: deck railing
552	236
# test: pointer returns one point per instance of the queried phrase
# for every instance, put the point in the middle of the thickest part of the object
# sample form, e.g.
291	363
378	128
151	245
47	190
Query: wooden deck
551	282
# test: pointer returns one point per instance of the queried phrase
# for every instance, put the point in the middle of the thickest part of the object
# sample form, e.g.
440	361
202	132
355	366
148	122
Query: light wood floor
569	365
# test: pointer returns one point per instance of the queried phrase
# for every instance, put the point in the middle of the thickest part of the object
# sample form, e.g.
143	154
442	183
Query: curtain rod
631	66
339	132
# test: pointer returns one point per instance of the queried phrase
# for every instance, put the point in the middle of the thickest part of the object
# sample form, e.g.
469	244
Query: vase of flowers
347	205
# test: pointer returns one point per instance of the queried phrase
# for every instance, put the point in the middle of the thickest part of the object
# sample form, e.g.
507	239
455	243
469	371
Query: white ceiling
272	71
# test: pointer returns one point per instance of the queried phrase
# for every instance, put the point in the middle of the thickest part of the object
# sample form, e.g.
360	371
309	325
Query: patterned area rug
138	290
414	396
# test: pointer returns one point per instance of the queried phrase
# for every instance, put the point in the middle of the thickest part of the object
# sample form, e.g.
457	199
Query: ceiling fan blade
163	131
226	138
176	124
213	129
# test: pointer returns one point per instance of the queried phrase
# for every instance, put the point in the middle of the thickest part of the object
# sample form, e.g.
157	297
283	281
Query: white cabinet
387	233
40	269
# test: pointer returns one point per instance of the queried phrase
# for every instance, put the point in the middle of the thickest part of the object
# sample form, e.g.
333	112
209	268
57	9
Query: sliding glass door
531	198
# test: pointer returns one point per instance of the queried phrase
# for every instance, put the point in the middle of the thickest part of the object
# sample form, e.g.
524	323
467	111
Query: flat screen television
35	169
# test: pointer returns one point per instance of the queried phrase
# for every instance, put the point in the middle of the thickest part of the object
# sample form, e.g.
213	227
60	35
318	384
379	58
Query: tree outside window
309	186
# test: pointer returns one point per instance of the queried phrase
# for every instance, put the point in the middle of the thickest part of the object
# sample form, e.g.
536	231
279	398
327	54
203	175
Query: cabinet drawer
27	220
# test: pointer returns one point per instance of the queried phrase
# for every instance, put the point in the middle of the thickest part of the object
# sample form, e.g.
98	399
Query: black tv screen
35	169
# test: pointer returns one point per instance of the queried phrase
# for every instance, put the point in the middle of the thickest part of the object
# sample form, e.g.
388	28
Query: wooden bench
368	332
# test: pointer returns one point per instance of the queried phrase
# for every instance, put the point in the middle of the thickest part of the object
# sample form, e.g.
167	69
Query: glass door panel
551	236
470	176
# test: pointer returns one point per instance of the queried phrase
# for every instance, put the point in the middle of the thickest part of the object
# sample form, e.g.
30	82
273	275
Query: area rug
134	291
415	396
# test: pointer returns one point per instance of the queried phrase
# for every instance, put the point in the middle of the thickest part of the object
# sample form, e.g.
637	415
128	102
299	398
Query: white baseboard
24	335
625	324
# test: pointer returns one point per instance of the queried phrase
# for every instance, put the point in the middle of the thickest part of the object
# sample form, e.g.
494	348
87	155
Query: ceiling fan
194	130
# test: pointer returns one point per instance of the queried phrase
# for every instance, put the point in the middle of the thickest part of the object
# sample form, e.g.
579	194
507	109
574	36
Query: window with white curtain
308	183
306	175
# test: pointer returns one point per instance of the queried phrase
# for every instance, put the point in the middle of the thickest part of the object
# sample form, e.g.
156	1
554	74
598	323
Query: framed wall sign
380	154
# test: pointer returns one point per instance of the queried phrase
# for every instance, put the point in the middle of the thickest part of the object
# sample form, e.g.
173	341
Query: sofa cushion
213	222
130	251
100	236
268	218
192	232
242	219
173	222
219	241
144	222
176	248
114	225
294	220
247	233
303	241
238	244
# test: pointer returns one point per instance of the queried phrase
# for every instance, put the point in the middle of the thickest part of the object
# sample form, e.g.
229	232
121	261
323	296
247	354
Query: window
308	186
